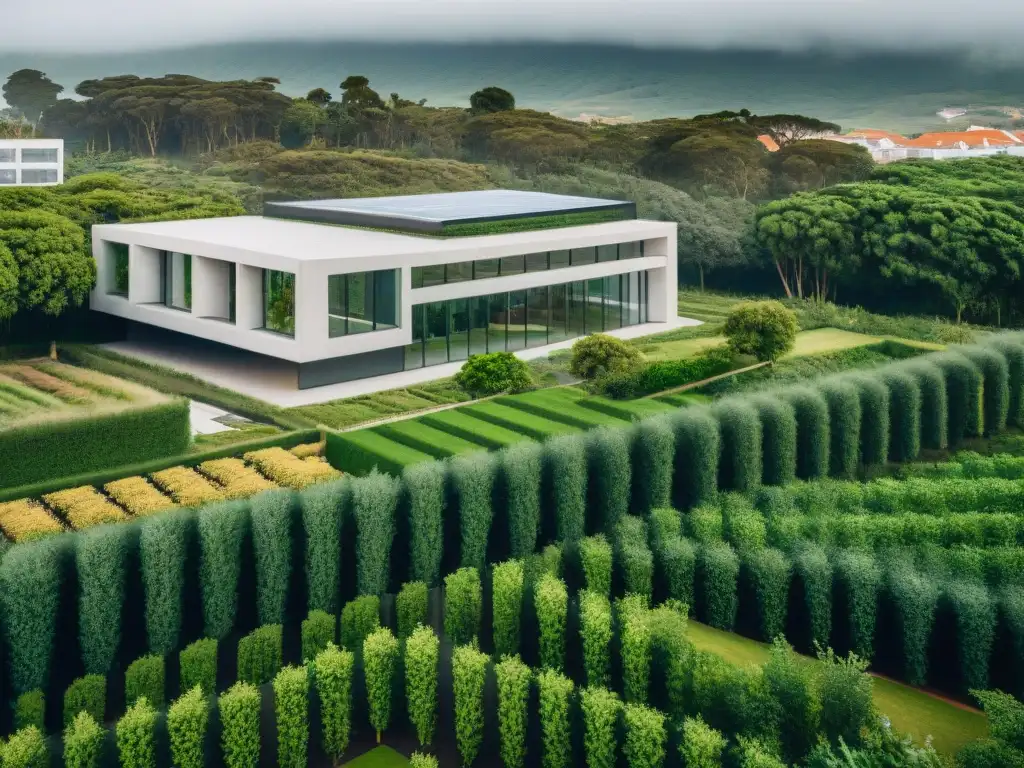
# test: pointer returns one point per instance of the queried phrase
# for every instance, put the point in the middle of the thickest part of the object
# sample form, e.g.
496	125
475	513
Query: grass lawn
911	710
807	343
378	757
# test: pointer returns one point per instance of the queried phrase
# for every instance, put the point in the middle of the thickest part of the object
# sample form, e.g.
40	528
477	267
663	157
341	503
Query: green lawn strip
560	405
231	436
682	400
338	414
378	757
357	453
626	409
534	427
911	710
174	382
425	438
21	392
490	436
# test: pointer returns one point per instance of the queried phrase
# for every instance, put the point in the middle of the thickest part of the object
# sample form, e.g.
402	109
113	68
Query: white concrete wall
144	279
211	287
18	166
311	341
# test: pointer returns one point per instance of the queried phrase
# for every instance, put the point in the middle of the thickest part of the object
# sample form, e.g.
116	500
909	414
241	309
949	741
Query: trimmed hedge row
52	450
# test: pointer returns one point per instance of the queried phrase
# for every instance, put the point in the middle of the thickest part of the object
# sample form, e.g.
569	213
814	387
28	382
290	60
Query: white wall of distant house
311	340
15	171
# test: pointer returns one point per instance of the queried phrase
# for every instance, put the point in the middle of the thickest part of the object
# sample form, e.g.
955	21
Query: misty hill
901	93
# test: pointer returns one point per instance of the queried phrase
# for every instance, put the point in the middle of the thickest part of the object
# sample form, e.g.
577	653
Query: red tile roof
974	139
874	134
769	143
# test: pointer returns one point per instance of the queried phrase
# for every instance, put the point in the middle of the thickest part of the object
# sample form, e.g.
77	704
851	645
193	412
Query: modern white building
350	289
31	162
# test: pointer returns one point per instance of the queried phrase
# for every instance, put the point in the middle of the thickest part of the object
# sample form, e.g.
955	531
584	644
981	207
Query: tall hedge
26	749
101	560
55	449
964	384
423	486
633	557
239	709
778	440
551	602
555	718
812	570
259	655
844	415
914	598
718	569
768	573
904	414
635	653
520	473
995	387
374	499
601	710
513	678
411	606
136	736
565	484
324	507
653	448
609	474
507	606
332	673
676	561
740	429
595	636
163	546
197	664
874	417
934	404
858	579
644	746
318	630
359	618
596	563
701	745
469	673
291	705
187	719
222	528
145	678
974	612
86	694
380	661
421	657
83	742
273	514
462	606
472	480
1011	346
813	431
697	446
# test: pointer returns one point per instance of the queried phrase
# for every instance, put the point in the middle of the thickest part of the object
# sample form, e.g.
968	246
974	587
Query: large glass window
362	302
424	277
38	176
450	331
177	273
537	317
279	301
7	155
119	262
39	155
485	268
607	252
537	262
512	265
459	272
630	250
559	259
583	256
232	277
8	176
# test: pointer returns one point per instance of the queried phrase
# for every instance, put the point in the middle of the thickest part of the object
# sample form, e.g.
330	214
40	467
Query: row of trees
953	231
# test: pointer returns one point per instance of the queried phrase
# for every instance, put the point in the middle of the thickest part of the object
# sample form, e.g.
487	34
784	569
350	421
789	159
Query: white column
144	281
311	321
249	297
211	287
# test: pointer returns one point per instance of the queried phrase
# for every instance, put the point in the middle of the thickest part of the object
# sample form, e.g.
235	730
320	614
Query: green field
422	437
457	422
911	710
813	342
378	757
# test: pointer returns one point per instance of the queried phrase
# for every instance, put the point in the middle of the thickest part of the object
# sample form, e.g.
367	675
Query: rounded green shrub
317	631
701	745
144	679
462	606
599	354
380	661
86	694
513	679
844	415
423	486
904	415
995	386
239	710
874	417
469	673
718	570
83	742
223	528
765	330
411	607
934	405
332	674
29	710
507	606
551	603
324	506
565	484
740	429
492	373
644	745
609	475
136	736
813	431
187	720
197	665
520	475
653	444
555	718
421	659
697	447
27	749
596	561
633	557
472	478
595	636
359	618
259	655
601	710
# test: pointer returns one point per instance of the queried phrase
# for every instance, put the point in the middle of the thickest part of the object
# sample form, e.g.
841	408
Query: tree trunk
700	269
785	282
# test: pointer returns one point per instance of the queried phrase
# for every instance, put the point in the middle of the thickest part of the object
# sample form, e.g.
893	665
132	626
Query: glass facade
38	175
119	261
279	301
449	331
8	176
39	156
7	155
177	280
362	302
457	272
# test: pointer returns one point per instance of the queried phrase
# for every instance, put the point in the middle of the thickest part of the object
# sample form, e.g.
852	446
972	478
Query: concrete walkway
202	417
274	380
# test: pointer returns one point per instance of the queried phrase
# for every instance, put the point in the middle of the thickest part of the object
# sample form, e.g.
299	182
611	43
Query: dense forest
813	219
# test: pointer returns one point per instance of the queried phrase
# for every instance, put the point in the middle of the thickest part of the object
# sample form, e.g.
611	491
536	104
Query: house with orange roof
769	143
978	138
977	141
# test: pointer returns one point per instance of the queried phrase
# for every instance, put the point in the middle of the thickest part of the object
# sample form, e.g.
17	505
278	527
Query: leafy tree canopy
492	99
31	92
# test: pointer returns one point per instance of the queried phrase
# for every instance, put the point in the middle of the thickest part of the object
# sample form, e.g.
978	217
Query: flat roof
304	241
432	212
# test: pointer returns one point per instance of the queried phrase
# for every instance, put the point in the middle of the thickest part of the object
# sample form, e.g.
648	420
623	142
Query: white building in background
352	289
31	162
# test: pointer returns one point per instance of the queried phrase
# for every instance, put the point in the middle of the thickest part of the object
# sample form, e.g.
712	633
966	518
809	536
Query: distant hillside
901	93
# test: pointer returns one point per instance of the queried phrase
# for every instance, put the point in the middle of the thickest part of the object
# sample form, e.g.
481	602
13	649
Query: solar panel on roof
432	212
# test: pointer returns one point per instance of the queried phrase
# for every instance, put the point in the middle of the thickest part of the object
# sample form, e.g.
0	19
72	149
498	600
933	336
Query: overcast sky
990	29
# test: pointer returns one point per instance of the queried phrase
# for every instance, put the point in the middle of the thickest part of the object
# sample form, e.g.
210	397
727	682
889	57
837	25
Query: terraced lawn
950	724
807	343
